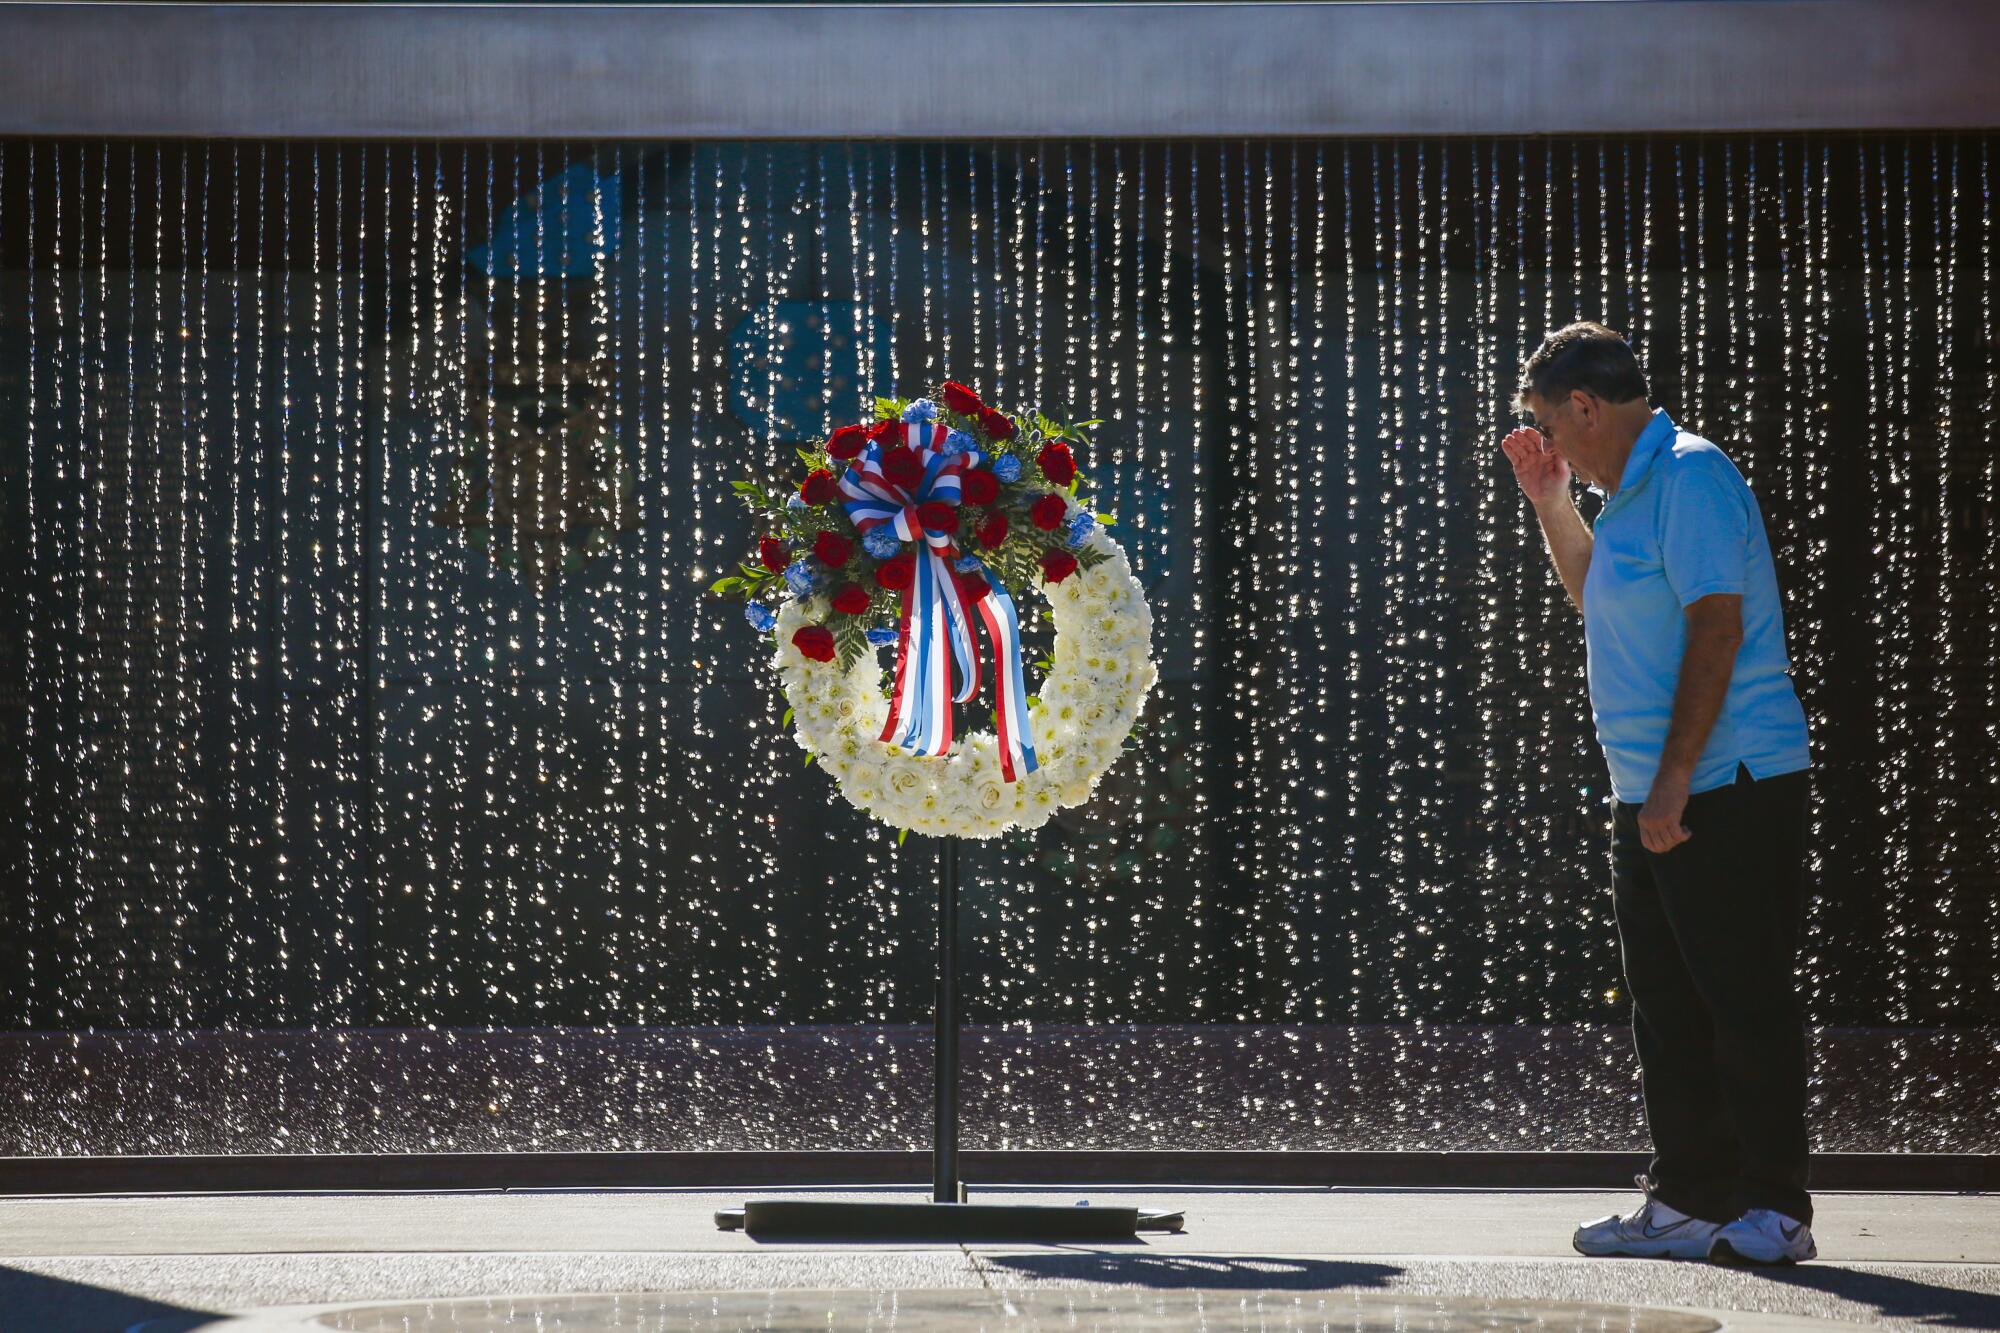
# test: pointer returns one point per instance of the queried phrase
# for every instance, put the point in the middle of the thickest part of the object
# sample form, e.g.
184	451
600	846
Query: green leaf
788	712
902	835
809	758
850	637
1106	520
725	585
756	497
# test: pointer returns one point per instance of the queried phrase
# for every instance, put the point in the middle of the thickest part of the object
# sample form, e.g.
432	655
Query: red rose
1049	511
896	573
973	588
937	516
832	549
1057	565
850	599
815	642
993	531
819	488
1057	463
882	428
960	399
979	487
774	554
903	467
998	425
848	442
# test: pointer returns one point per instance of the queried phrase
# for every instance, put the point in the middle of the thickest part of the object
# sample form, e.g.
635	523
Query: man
1706	743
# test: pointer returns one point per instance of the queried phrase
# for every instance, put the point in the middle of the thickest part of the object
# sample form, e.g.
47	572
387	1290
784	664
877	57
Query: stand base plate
827	1219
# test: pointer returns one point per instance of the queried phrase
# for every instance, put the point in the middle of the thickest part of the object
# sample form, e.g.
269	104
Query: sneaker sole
1722	1252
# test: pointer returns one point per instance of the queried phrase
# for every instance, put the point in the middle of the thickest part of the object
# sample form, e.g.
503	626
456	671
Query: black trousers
1708	933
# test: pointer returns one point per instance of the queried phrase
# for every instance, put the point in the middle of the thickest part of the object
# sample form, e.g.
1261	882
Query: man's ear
1586	407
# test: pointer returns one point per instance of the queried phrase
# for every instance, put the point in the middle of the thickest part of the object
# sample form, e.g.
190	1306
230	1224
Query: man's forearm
1706	665
1569	544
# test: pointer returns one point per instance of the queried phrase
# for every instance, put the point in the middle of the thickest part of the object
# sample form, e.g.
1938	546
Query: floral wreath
922	530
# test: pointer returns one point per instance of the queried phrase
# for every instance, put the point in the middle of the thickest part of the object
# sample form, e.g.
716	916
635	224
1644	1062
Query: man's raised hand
1540	470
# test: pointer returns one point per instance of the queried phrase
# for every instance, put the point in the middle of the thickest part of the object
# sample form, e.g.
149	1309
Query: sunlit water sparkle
382	780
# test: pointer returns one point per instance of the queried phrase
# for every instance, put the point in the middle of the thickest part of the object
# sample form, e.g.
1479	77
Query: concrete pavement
1281	1258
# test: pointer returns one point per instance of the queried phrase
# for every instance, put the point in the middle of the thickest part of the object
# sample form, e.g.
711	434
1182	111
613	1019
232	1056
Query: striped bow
923	508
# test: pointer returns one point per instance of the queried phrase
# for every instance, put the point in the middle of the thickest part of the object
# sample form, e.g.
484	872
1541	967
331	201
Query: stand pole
945	1184
948	1216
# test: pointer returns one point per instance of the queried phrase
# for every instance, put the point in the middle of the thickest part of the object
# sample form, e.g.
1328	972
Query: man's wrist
1554	504
1674	773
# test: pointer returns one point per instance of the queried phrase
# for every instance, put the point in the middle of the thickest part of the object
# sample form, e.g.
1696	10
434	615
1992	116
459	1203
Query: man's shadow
37	1300
1894	1297
1239	1272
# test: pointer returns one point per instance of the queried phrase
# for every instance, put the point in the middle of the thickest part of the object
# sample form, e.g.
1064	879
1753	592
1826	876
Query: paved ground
1278	1258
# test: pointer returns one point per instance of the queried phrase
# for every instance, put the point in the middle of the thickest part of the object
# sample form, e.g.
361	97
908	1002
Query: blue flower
881	635
799	578
965	564
1007	468
921	410
962	443
881	541
1081	524
761	617
796	502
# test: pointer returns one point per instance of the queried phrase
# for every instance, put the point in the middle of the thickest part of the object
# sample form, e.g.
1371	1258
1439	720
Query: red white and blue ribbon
935	619
1003	628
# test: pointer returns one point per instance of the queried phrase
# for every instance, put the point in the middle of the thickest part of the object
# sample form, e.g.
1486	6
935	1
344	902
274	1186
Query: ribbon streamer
935	616
1003	628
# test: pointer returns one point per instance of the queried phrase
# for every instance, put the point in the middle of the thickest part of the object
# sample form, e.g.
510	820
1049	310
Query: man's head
1587	394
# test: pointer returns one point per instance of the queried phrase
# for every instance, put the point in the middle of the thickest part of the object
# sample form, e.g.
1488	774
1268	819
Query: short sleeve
1705	529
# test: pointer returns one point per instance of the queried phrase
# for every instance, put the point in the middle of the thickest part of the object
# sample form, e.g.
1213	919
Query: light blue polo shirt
1683	524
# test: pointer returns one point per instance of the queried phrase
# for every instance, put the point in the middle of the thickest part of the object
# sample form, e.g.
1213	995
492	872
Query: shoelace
1637	1217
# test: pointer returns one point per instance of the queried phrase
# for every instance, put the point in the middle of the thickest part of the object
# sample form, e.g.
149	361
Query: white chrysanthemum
1088	705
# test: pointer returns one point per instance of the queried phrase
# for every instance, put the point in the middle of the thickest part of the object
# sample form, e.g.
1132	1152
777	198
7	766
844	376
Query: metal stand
946	1187
948	1216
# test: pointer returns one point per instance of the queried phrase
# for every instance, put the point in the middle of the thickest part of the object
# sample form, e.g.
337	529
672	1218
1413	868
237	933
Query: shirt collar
1644	450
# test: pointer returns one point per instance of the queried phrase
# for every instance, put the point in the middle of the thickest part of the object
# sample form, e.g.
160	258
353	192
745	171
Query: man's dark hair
1583	356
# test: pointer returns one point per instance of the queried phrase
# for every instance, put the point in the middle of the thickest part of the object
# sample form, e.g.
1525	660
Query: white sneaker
1653	1230
1764	1236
